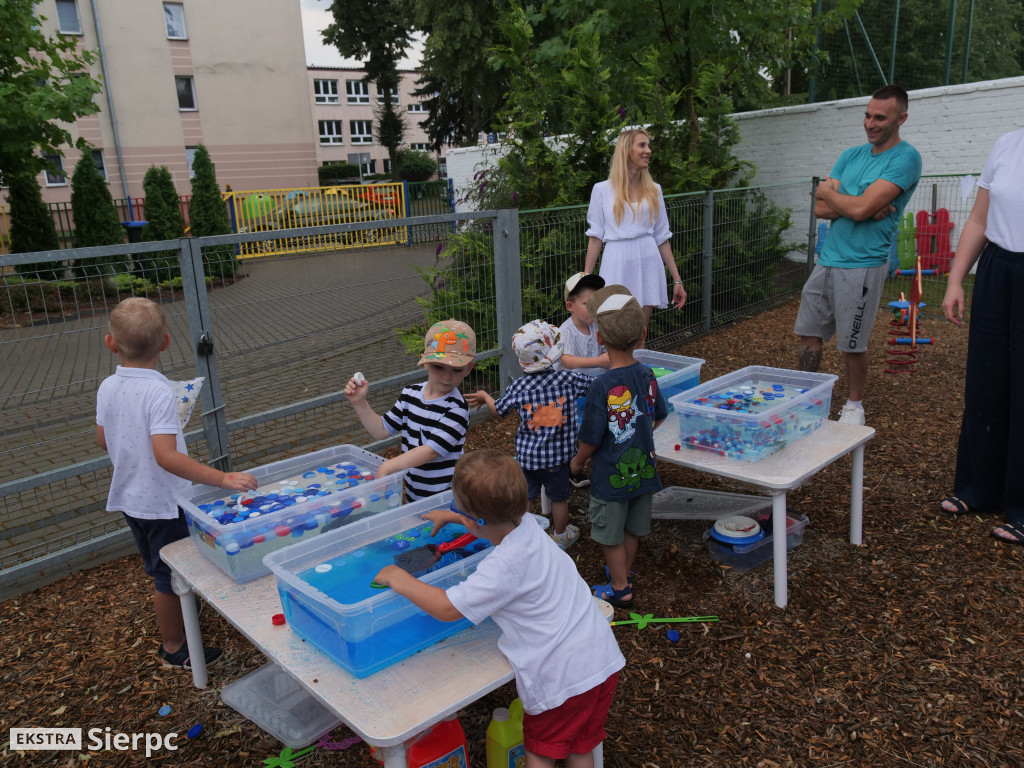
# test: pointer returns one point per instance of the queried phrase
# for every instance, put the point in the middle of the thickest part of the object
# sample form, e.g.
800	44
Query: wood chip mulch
904	652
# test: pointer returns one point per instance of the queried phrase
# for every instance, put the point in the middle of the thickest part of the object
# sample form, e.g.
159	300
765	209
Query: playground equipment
906	322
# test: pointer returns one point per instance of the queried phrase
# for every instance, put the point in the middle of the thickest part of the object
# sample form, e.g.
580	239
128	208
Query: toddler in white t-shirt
565	657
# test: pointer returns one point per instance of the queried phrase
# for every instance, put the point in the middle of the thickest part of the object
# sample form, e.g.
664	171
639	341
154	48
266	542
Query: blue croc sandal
616	597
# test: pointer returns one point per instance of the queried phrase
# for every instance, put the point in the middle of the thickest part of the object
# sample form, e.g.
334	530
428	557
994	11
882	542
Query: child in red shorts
564	654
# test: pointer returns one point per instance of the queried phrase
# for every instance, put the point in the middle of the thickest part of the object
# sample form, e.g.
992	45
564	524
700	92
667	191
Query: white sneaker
851	414
567	539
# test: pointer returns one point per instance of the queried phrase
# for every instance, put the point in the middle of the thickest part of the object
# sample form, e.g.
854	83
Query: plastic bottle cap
323	568
277	619
501	714
194	731
164	710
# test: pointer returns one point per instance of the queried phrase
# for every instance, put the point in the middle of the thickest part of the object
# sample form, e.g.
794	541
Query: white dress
631	255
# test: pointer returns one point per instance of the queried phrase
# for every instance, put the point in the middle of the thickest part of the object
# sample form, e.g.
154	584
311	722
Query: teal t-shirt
852	244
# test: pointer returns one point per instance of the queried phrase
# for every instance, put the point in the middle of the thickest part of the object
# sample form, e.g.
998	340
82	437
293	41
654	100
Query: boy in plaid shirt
546	400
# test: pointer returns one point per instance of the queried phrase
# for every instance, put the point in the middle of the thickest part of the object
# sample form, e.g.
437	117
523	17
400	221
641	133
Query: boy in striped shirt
431	416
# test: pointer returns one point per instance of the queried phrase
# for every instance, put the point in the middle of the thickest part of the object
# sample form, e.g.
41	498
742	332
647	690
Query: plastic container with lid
505	737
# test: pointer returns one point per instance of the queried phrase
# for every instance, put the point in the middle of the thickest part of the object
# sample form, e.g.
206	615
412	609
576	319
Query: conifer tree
32	227
209	215
163	222
95	217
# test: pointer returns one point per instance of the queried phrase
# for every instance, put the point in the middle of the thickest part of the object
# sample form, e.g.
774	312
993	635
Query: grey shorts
842	303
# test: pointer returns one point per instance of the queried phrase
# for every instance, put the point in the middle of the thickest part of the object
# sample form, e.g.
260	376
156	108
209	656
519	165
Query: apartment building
344	117
228	74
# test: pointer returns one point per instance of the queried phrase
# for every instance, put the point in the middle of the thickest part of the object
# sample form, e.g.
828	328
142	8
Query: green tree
32	227
996	50
95	217
415	166
209	216
44	86
464	93
377	33
163	222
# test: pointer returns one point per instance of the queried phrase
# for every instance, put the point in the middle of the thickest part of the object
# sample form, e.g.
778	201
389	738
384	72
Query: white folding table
385	709
779	473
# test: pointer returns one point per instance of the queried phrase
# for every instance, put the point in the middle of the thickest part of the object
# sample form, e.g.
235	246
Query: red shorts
574	727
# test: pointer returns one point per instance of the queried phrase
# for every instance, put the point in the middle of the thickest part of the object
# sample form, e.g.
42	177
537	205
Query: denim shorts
150	537
554	479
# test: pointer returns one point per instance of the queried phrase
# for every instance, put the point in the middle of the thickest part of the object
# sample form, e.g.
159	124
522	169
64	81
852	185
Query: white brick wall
953	128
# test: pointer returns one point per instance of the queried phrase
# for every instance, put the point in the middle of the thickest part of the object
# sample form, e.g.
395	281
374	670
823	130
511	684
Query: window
330	132
360	131
67	17
370	168
55	179
419	106
380	96
186	93
387	165
442	168
326	92
190	157
174	15
420	147
97	159
358	92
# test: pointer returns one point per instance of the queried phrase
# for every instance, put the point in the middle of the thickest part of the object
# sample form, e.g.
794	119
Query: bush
163	222
336	173
415	166
96	220
209	215
32	227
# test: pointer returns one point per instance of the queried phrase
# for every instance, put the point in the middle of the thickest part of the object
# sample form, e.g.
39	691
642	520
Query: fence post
200	323
508	290
812	227
709	236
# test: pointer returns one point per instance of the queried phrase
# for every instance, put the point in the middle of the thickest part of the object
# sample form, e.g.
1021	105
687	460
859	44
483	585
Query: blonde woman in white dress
627	215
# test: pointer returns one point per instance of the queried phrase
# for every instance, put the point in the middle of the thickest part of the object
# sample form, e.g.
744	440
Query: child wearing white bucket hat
545	398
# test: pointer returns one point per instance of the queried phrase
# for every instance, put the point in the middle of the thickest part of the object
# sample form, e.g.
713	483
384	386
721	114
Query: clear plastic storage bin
685	371
753	412
237	546
678	503
280	706
361	628
743	557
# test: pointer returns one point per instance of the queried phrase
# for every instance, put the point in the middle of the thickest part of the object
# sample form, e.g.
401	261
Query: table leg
394	757
192	633
857	497
779	548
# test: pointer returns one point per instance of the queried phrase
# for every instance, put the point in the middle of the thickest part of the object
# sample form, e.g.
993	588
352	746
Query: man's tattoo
810	360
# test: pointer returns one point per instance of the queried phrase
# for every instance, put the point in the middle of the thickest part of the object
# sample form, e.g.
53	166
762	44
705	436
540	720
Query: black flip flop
1011	533
961	507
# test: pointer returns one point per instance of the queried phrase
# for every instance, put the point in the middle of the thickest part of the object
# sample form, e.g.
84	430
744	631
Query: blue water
372	639
346	578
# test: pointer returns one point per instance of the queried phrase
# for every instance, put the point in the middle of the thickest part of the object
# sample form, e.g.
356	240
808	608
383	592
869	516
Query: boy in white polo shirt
564	654
137	423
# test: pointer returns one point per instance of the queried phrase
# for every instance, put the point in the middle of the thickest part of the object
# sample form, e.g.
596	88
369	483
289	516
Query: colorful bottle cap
277	619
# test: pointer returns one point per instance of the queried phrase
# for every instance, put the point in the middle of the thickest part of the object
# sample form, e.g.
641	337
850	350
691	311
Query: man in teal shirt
864	196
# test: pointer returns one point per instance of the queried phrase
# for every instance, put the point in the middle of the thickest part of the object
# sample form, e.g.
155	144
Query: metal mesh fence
753	256
287	331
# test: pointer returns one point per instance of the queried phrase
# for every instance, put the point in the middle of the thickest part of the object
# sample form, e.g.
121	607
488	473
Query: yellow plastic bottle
505	738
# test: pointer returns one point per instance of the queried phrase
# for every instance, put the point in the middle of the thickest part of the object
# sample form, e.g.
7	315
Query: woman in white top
990	453
627	215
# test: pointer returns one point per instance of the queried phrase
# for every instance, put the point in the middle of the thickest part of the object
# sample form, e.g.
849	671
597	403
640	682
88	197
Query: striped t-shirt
440	424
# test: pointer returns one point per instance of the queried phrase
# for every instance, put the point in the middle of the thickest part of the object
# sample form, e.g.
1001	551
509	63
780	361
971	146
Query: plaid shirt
546	402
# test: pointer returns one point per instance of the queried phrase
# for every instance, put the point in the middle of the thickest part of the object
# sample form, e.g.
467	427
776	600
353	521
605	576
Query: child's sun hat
537	345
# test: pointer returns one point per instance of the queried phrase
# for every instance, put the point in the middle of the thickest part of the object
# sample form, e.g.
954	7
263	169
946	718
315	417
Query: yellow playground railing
267	210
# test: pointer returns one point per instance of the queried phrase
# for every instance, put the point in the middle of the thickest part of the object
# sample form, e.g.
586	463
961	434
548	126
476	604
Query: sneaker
180	658
567	539
851	414
579	480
